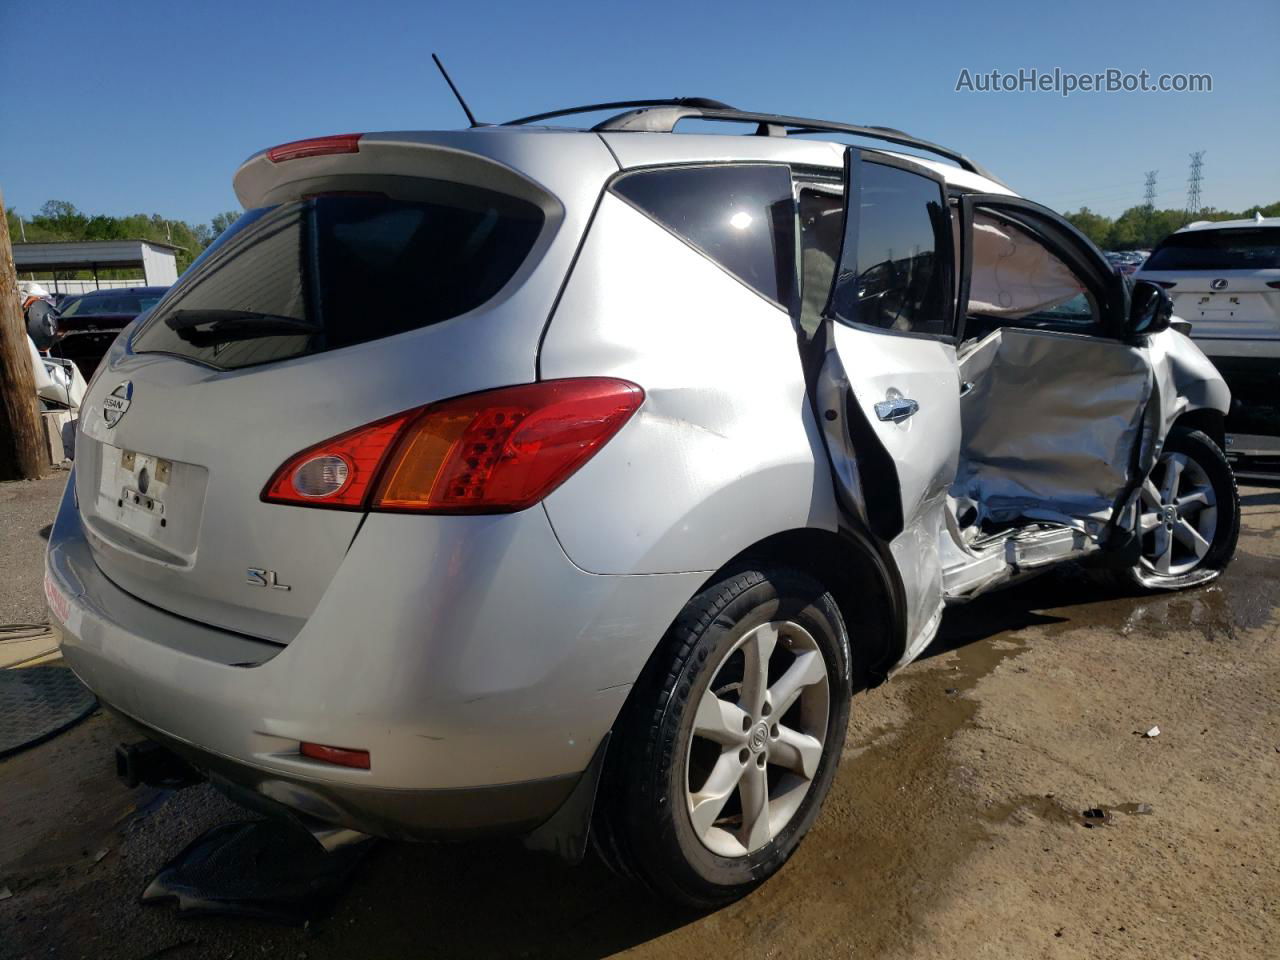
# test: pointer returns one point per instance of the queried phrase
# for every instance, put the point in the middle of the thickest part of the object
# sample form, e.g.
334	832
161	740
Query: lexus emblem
1218	285
116	405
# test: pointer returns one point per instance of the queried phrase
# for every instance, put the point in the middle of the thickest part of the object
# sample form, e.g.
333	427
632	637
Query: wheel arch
1207	420
847	565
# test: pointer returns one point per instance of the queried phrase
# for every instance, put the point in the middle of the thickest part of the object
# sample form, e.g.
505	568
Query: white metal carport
156	260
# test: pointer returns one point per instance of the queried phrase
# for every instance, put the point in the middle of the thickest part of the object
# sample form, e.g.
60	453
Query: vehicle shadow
479	899
1021	605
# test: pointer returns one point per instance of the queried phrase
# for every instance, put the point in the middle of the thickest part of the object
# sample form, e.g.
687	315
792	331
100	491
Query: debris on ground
262	869
1153	732
5	893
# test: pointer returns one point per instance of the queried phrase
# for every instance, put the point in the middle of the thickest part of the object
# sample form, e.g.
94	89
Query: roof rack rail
693	102
661	116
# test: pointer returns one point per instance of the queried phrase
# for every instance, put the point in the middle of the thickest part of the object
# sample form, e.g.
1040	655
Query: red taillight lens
342	756
1167	284
493	452
302	478
316	147
1274	284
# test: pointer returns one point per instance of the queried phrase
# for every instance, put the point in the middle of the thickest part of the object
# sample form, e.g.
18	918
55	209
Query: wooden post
22	453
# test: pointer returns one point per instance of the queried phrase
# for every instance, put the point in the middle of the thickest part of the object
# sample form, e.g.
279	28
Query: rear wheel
1189	514
730	742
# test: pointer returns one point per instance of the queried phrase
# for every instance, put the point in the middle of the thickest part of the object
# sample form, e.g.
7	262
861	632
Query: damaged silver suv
571	482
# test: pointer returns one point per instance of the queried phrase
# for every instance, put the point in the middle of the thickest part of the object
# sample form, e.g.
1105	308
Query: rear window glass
1239	249
742	216
340	269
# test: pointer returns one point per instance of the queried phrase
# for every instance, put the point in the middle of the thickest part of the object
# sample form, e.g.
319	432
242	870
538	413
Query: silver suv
570	482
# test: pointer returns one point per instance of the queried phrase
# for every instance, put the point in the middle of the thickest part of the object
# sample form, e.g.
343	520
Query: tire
1204	499
693	758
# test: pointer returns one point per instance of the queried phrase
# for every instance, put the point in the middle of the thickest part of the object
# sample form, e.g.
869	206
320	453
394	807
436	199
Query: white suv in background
1224	278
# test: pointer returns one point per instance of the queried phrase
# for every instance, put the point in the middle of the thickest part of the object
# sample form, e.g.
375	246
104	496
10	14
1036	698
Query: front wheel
731	740
1189	514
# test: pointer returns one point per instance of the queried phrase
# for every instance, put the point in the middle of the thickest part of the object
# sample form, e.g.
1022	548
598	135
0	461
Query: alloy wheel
758	738
1179	515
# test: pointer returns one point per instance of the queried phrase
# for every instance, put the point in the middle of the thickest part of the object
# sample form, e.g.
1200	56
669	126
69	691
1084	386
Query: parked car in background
1224	278
1125	262
571	482
88	323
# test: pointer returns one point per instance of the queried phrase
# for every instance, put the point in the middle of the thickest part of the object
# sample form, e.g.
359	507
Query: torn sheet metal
1050	425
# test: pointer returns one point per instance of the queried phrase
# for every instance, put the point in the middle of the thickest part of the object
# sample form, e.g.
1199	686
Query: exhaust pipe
147	762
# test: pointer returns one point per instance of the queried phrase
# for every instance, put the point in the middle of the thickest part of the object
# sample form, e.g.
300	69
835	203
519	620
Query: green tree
221	221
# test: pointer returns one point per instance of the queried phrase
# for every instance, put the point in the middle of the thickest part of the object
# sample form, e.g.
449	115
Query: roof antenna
447	79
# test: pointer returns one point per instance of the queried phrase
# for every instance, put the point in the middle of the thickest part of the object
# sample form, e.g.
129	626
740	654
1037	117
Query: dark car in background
87	324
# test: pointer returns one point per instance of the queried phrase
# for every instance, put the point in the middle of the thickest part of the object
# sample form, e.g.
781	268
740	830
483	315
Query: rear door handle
896	409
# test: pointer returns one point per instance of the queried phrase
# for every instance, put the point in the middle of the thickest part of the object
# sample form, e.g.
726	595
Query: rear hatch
1225	282
357	287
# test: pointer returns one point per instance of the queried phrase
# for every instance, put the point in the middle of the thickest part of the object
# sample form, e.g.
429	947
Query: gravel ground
26	511
954	828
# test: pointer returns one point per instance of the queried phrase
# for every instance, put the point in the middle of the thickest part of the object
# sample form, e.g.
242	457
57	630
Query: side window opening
1015	280
741	216
821	216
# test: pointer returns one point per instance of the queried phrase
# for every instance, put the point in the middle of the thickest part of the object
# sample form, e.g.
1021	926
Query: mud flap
566	832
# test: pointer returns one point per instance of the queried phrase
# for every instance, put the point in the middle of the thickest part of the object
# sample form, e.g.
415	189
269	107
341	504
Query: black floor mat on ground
37	703
264	869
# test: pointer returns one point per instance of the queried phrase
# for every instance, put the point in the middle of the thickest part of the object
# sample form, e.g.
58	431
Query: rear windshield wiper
207	328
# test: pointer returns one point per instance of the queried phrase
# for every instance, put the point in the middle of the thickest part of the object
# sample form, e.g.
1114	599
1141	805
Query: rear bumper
476	664
398	814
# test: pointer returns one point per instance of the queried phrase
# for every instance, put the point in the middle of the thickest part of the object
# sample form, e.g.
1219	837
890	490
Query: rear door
890	323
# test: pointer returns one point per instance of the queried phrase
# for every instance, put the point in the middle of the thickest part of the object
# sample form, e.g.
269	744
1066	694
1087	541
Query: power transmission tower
1149	192
1193	183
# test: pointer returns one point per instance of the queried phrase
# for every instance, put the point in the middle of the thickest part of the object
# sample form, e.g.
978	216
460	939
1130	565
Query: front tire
730	740
1188	514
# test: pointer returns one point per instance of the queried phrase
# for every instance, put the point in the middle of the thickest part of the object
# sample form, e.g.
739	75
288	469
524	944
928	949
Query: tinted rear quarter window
340	269
1234	249
742	216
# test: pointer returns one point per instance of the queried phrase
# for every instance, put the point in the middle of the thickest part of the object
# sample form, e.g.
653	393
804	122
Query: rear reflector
342	756
316	147
493	452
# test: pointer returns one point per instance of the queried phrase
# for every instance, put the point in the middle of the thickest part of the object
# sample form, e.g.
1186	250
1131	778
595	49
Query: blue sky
149	107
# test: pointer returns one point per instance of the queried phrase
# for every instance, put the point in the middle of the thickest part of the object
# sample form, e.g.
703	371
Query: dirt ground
954	828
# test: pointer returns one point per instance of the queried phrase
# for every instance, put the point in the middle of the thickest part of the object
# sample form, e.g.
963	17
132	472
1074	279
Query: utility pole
22	455
1193	184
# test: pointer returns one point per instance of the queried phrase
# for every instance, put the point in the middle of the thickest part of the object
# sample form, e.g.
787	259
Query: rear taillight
316	147
1274	284
1167	284
493	452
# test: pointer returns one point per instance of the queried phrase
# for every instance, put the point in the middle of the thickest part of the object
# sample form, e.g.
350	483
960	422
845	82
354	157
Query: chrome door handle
896	409
966	387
